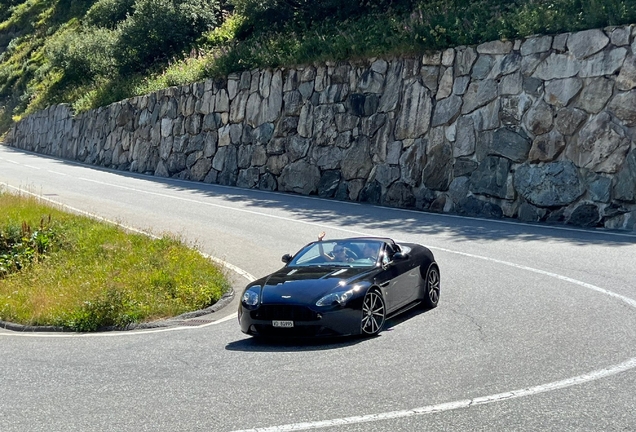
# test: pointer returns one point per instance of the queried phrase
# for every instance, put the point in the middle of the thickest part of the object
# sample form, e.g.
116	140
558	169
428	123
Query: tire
373	314
432	284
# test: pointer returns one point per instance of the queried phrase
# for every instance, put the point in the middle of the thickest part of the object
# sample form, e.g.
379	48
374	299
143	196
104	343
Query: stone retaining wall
539	129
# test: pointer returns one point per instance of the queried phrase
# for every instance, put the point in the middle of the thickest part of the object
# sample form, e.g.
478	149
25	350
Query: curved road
536	327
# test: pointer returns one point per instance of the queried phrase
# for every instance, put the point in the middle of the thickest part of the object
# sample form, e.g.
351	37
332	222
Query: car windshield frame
358	253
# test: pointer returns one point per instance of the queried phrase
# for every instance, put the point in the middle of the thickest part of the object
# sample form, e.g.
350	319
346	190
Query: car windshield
349	253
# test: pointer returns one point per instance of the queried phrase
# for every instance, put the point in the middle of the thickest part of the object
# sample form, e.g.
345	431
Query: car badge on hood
286	297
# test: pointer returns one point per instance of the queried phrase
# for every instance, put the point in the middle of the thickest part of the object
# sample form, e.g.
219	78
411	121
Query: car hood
307	284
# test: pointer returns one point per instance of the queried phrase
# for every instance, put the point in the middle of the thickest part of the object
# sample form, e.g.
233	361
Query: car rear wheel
432	287
373	313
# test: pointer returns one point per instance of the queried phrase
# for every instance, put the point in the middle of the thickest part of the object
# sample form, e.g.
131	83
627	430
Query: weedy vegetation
90	53
71	271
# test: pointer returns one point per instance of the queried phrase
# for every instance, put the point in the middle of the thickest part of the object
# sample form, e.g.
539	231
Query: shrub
83	54
160	29
108	13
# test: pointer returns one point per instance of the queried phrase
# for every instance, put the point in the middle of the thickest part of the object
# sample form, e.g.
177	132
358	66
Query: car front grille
284	313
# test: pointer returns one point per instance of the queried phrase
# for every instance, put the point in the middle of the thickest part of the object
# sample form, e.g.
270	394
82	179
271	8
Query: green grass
95	275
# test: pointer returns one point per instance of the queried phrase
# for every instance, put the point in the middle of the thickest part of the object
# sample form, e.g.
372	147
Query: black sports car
340	287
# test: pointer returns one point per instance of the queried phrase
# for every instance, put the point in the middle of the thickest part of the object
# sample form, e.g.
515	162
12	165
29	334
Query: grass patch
85	275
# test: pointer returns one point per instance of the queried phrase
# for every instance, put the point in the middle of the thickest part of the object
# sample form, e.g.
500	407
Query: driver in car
339	252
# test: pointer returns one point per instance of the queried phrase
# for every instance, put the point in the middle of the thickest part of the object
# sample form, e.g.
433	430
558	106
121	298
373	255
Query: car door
394	279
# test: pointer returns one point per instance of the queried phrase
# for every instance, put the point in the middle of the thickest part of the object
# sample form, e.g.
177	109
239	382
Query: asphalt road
535	330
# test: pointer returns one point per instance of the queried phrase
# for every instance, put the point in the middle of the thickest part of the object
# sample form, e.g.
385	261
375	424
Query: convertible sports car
340	287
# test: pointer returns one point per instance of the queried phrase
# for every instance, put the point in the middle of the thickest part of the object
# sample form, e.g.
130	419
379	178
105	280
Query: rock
600	187
371	82
511	84
510	144
495	47
399	195
334	94
513	109
604	63
461	85
297	147
438	171
267	182
568	120
386	174
529	213
276	163
586	43
625	187
472	206
393	88
445	87
535	45
464	167
459	189
561	92
553	184
479	93
369	126
557	66
547	147
200	169
625	221
248	178
620	36
532	86
491	177
414	119
326	158
482	67
356	162
626	79
595	94
585	215
600	145
446	110
486	117
465	138
430	77
623	106
411	163
299	177
371	193
464	60
328	185
293	103
538	119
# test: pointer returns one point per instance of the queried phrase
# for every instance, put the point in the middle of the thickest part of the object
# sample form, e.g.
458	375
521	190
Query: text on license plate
283	323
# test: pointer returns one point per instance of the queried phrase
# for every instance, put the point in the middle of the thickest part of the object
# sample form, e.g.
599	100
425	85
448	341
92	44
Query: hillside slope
90	53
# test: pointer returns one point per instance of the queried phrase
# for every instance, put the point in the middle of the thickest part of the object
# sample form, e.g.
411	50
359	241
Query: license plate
286	324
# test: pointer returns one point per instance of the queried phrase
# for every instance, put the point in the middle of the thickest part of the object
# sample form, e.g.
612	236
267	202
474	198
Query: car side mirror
287	258
400	256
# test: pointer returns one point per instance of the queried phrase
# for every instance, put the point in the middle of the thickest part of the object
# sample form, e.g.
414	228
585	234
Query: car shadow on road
257	344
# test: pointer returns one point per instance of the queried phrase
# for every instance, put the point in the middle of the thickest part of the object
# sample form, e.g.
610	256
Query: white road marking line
542	388
466	403
449	406
57	173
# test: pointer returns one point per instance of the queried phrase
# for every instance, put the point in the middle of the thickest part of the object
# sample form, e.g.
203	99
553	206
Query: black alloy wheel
432	287
373	313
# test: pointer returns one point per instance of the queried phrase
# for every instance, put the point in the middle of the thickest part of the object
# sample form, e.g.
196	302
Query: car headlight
251	297
335	298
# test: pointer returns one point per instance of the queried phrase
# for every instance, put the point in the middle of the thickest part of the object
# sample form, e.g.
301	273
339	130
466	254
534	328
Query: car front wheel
373	313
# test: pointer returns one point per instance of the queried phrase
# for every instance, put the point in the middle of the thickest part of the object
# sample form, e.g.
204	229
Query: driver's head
339	251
